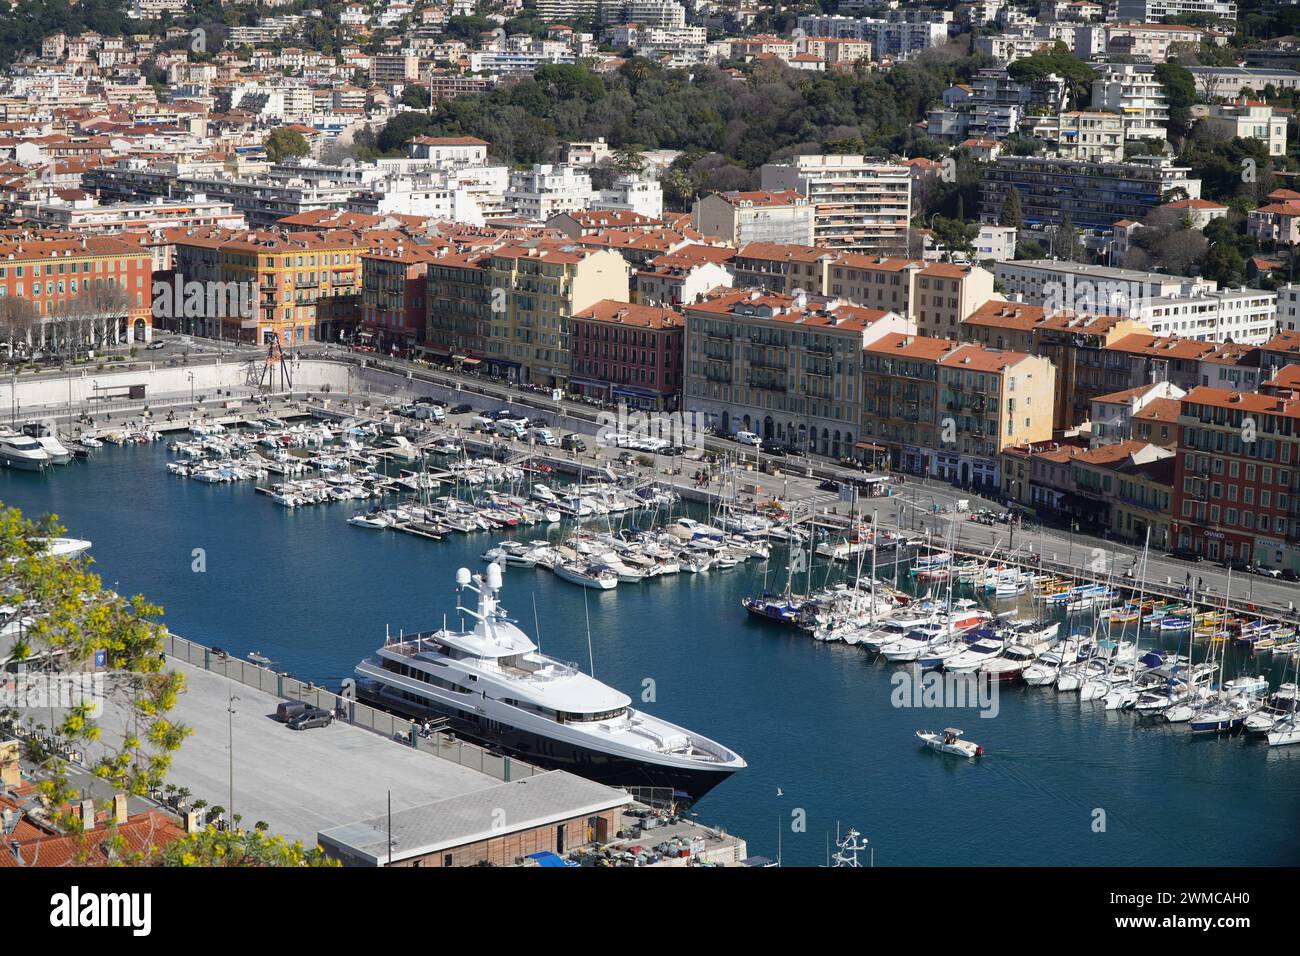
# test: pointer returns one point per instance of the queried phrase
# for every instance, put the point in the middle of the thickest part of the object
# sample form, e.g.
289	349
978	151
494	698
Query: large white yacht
495	686
22	452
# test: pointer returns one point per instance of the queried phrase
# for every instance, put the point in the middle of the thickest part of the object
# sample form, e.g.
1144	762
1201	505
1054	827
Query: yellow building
289	283
536	286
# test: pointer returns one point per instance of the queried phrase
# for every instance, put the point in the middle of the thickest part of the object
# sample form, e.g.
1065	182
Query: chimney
17	852
119	807
88	814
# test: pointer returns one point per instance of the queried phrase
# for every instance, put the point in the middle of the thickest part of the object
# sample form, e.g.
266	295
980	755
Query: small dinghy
950	742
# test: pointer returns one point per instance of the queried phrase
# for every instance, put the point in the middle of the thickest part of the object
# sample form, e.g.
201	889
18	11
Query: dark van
290	709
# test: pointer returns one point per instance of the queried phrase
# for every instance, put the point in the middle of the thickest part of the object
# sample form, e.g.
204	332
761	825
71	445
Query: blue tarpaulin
547	858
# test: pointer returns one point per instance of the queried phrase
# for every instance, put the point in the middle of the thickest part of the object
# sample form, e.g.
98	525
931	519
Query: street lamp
230	711
191	378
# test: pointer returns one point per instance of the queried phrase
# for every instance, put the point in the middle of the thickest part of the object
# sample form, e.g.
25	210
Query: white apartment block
1086	136
1154	11
995	242
1185	306
859	205
1288	308
888	38
654	14
784	217
639	194
1132	91
154	9
547	190
1246	119
1244	316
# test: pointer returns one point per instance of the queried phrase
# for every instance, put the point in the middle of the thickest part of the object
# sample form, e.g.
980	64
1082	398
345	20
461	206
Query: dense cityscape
966	333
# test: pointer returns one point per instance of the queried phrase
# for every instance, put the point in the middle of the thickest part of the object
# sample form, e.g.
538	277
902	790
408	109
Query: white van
542	436
748	438
510	428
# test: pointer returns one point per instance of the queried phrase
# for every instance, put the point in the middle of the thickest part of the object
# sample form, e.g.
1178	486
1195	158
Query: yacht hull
552	754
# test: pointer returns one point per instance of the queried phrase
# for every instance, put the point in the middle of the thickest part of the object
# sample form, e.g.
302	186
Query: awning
470	361
867	446
589	382
633	390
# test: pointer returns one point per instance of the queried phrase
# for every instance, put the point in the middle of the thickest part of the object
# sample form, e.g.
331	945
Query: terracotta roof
1164	410
624	313
1252	402
979	358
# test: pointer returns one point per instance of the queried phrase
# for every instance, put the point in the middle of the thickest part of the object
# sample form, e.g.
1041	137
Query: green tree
415	96
284	144
73	619
1011	213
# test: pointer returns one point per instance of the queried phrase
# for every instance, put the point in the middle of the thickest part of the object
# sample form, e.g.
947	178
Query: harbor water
1061	783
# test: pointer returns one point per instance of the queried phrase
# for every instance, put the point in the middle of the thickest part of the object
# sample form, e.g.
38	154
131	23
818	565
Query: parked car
1289	575
311	717
829	484
572	442
425	400
291	710
1184	554
155	346
462	409
1268	572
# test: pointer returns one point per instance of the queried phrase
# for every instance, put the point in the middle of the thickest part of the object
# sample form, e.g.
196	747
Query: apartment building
393	295
1154	11
1086	136
1077	344
1113	414
1132	91
459	297
989	399
546	190
900	394
1096	195
1168	305
103	284
301	284
859	205
630	354
1124	488
536	287
784	216
1246	119
786	367
1237	479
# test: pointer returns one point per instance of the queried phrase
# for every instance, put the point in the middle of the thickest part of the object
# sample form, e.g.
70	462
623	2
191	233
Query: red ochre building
61	273
627	353
1237	477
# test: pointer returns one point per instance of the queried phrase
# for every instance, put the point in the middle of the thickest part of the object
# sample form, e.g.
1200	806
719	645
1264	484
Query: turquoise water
814	721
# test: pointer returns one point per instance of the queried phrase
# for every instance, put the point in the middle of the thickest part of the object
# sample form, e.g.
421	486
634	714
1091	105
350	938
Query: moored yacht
23	452
495	685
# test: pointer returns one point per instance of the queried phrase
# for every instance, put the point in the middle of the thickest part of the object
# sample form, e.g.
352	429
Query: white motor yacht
495	685
23	452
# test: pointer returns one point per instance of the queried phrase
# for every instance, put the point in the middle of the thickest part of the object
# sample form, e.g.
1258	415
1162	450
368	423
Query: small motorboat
950	742
259	658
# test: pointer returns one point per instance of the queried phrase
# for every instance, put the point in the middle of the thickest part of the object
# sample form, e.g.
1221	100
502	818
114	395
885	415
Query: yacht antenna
537	628
591	658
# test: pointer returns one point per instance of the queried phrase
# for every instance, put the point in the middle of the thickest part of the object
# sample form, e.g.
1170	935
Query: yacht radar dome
463	577
494	576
